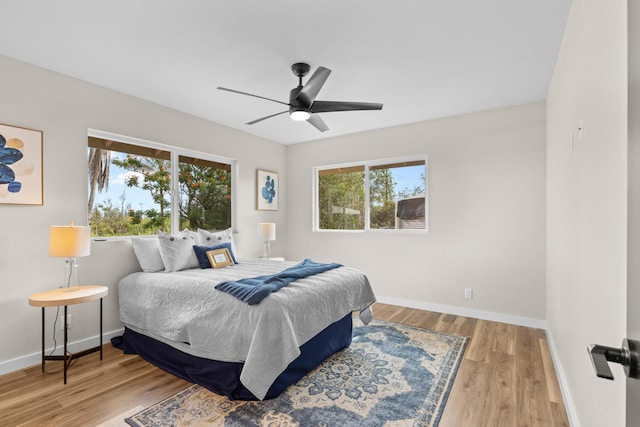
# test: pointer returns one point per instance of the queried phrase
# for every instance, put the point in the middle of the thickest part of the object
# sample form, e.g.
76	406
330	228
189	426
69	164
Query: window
372	196
341	198
205	194
131	188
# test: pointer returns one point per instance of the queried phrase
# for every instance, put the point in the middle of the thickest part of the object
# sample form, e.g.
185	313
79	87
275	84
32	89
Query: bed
181	323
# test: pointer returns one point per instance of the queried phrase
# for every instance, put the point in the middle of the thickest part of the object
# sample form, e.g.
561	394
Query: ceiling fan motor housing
300	69
294	104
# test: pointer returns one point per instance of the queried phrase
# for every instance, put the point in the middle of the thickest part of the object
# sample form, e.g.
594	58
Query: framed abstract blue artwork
267	193
20	166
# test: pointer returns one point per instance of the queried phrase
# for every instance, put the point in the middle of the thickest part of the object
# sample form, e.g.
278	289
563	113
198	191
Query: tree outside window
396	192
205	194
140	178
341	198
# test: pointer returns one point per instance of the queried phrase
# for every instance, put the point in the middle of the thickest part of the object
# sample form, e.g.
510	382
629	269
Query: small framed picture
267	193
219	258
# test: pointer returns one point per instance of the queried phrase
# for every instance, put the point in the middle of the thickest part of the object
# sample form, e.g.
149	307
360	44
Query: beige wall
64	109
587	205
486	190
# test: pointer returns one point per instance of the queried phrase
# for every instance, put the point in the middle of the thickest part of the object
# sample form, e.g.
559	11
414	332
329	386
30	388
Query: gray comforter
184	310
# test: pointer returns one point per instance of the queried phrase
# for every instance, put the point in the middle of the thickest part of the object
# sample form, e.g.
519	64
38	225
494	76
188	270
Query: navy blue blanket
255	289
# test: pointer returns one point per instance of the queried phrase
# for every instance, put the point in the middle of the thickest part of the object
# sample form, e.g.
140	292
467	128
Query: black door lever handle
627	356
601	355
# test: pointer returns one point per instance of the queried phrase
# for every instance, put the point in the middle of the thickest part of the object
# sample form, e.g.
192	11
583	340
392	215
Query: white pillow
194	235
176	250
209	238
147	250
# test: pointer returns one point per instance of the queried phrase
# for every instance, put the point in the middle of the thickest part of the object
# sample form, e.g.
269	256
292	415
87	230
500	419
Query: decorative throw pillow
176	250
194	235
201	254
218	237
147	250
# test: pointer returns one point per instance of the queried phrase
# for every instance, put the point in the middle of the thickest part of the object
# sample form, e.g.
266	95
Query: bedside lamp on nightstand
70	241
266	233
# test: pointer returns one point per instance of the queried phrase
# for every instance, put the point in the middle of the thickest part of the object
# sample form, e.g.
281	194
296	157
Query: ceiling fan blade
309	92
253	122
328	106
250	94
317	122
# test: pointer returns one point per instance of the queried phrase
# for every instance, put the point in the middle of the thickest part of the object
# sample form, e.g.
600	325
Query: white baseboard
562	381
466	312
36	358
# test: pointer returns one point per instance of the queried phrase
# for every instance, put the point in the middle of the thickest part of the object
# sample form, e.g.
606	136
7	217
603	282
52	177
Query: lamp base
71	273
266	250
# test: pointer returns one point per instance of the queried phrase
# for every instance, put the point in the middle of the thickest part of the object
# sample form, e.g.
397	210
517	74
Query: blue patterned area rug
391	375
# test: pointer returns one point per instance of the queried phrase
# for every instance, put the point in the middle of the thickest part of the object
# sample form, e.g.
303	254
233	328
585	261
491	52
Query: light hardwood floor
505	379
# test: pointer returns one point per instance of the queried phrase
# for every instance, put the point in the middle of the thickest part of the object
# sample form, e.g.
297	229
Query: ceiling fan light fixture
300	115
302	99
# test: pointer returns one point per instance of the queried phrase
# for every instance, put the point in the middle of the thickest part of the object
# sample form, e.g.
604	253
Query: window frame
368	164
174	158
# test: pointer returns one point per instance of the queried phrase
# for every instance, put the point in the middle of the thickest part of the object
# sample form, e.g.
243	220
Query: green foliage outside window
205	197
157	181
382	199
342	195
204	191
341	200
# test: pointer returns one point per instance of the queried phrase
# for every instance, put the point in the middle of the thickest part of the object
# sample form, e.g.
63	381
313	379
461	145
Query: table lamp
70	241
266	233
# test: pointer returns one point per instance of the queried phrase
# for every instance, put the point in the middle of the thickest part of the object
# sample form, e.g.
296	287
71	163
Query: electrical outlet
468	293
68	322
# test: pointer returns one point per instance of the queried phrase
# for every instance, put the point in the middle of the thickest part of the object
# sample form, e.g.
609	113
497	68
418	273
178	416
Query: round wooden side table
65	297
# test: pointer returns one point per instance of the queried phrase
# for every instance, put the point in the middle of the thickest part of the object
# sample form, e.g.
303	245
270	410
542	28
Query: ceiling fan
302	99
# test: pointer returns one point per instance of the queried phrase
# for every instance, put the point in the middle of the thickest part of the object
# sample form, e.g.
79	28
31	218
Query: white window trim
368	164
175	190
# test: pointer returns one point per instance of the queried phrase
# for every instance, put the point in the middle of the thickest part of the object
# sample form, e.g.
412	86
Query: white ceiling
423	59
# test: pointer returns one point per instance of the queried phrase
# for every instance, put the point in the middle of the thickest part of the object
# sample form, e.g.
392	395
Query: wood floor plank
532	408
481	343
528	355
500	401
466	403
553	388
504	339
506	378
559	415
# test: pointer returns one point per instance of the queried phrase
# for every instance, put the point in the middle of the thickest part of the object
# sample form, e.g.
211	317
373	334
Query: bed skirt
224	377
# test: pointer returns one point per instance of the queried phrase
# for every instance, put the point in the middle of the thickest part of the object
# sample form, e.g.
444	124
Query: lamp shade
266	231
69	241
